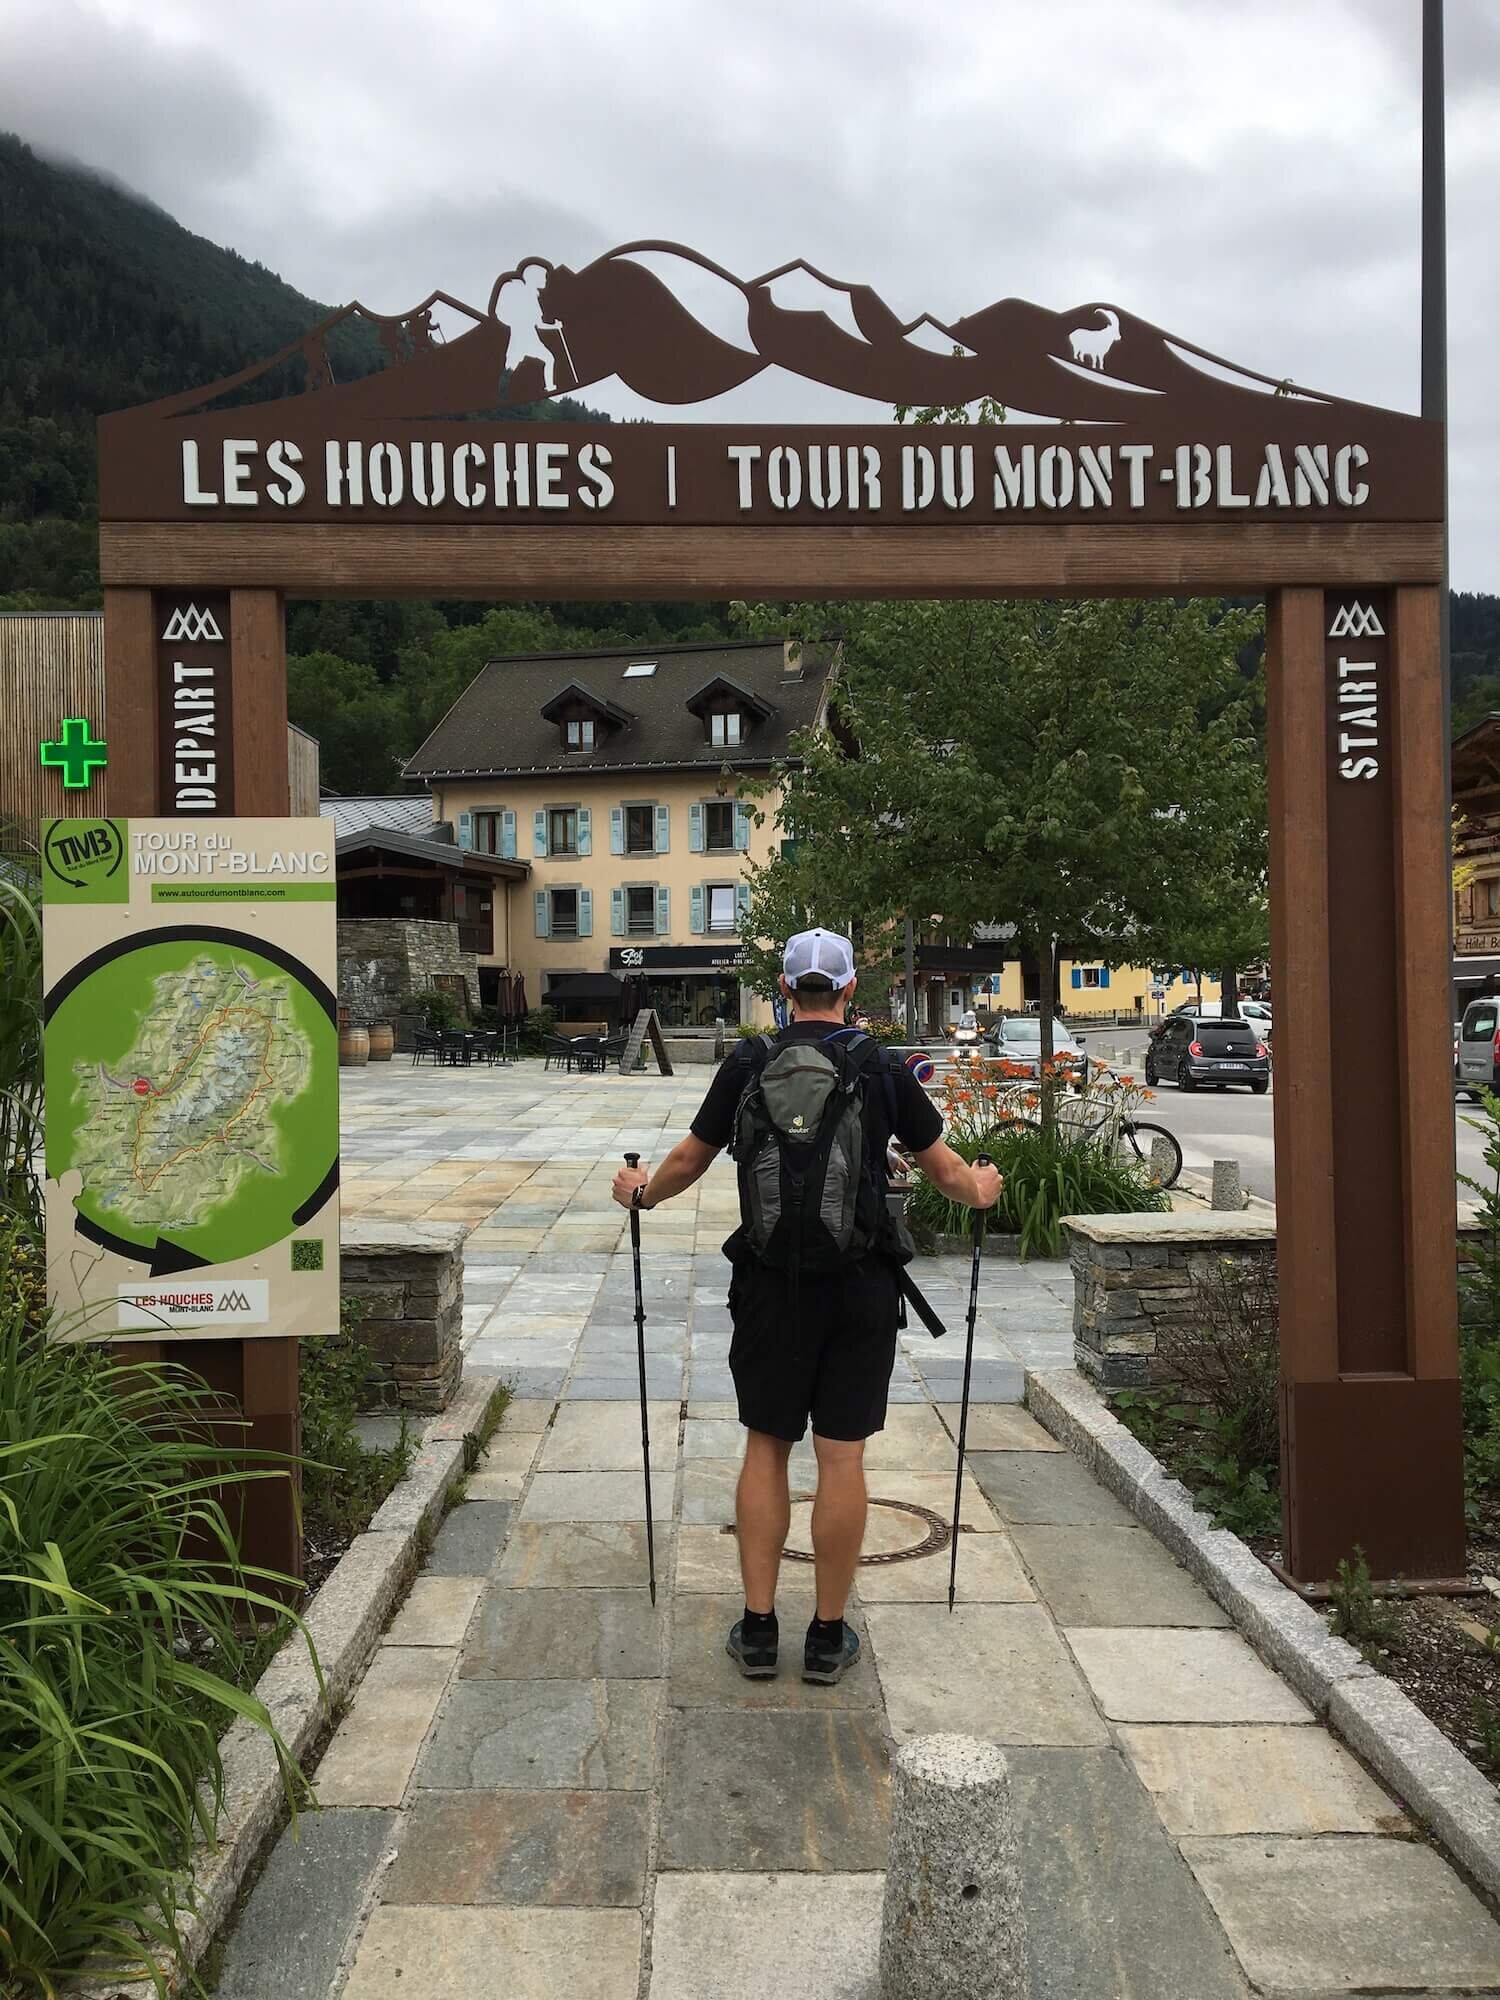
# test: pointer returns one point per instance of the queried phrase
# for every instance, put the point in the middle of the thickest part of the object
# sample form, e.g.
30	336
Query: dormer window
727	711
584	718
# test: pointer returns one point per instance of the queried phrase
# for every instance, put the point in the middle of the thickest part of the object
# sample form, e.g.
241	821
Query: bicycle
1136	1137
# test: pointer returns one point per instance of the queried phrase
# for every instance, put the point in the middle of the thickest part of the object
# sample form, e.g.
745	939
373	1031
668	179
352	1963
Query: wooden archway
1160	470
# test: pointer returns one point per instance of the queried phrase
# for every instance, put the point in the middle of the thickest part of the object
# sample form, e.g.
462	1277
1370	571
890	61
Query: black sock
760	1624
827	1632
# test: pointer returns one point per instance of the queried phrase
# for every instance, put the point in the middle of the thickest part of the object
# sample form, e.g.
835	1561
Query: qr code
307	1253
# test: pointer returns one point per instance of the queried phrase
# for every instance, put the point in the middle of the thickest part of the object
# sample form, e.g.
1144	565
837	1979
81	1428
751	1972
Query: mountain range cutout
679	329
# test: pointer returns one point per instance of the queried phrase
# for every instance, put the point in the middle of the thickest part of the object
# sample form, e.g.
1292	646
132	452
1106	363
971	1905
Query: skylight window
640	670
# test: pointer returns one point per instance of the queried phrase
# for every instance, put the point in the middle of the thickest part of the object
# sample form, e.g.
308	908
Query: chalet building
1476	906
612	777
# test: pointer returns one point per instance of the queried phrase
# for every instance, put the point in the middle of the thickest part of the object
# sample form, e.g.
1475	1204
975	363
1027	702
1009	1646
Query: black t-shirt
899	1105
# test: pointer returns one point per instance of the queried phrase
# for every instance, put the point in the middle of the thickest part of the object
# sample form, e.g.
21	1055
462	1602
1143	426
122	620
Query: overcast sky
1245	175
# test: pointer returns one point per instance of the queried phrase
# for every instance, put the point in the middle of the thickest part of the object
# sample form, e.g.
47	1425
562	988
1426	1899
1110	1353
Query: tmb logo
84	854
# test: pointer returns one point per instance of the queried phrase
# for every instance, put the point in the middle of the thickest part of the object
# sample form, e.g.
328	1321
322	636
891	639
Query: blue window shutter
585	830
741	827
1078	975
585	913
466	829
698	923
539	837
663	829
663	911
617	913
741	901
507	836
543	928
1104	975
617	829
695	829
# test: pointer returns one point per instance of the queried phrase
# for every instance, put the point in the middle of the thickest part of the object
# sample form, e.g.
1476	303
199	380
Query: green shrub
438	1009
20	1033
1046	1175
342	1482
1358	1615
1479	1319
538	1024
123	1654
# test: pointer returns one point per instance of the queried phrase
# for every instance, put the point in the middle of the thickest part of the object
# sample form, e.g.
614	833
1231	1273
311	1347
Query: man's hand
627	1180
987	1184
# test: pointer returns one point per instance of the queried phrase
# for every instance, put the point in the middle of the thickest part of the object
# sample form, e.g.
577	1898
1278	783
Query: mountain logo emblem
233	1302
1356	621
188	623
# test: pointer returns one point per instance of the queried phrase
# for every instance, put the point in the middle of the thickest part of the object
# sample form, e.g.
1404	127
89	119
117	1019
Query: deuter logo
194	1302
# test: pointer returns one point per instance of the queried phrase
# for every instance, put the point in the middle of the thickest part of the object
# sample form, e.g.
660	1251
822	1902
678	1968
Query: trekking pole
981	1217
634	1160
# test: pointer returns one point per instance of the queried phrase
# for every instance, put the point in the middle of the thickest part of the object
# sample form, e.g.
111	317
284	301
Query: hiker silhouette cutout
518	307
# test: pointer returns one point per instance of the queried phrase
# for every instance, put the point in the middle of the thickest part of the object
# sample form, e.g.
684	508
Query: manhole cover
898	1531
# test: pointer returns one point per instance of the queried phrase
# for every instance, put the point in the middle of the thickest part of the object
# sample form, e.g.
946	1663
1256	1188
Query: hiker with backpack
818	1274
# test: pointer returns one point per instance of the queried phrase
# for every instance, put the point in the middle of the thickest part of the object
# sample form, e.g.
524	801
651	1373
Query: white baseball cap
823	954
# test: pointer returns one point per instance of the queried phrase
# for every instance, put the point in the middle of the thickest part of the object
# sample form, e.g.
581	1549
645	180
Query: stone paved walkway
545	1788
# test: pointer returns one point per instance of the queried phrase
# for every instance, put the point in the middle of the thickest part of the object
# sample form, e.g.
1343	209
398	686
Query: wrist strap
636	1196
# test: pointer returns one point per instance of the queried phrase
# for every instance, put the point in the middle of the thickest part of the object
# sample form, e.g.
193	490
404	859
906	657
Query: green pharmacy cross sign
77	755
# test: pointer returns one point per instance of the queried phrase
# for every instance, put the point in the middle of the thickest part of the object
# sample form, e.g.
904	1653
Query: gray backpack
808	1195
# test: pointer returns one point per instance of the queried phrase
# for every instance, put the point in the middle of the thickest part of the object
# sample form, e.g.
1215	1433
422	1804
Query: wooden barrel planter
354	1046
382	1041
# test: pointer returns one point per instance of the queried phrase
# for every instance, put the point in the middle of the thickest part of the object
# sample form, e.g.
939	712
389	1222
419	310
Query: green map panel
193	1086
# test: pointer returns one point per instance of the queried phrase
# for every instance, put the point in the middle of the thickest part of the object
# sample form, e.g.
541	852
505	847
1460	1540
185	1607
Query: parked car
1257	1012
1478	1066
1194	1049
1017	1038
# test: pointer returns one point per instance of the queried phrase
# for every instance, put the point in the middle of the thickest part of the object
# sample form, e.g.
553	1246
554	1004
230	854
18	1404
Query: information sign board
191	1077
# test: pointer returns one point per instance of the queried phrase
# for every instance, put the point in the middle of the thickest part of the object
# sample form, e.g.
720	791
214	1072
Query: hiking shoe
827	1664
755	1658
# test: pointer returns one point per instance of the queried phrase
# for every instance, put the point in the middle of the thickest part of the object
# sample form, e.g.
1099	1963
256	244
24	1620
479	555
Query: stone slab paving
545	1787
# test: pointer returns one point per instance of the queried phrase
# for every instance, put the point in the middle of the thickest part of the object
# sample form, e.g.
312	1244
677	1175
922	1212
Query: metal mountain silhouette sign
1121	419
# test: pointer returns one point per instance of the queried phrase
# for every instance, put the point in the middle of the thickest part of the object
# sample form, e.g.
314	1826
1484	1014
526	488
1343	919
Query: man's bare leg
838	1522
763	1512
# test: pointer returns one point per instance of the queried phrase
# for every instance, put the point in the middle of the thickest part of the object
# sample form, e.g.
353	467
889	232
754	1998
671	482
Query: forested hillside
107	301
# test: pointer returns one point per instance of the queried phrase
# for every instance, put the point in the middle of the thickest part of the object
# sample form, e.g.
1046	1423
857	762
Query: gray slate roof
496	727
406	814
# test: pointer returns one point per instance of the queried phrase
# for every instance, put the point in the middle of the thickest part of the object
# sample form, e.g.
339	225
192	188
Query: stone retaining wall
1133	1275
408	1276
385	962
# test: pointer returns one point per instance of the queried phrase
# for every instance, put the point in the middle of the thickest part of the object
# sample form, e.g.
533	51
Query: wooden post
1365	1190
130	702
258	1378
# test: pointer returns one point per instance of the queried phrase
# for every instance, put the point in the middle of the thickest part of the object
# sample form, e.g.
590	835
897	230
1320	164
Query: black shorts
831	1363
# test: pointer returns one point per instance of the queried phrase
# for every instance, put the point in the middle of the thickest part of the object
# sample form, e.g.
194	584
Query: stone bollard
1163	1160
952	1927
1227	1192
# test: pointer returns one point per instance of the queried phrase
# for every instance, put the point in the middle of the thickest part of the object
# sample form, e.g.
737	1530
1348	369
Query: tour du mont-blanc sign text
694	474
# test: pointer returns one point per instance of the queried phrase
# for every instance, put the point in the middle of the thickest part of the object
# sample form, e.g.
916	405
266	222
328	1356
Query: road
1214	1125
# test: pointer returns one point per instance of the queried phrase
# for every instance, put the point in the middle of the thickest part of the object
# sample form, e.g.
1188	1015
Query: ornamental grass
130	1630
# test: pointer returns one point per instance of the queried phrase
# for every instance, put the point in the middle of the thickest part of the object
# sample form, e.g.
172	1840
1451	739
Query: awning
585	986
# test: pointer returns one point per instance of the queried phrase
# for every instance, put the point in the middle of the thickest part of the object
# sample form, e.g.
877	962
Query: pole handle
632	1159
980	1160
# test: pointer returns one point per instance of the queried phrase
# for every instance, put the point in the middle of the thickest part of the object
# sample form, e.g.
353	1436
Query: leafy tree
359	723
1046	764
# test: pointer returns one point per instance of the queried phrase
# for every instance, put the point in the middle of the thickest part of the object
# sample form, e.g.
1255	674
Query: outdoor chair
558	1049
426	1042
613	1049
